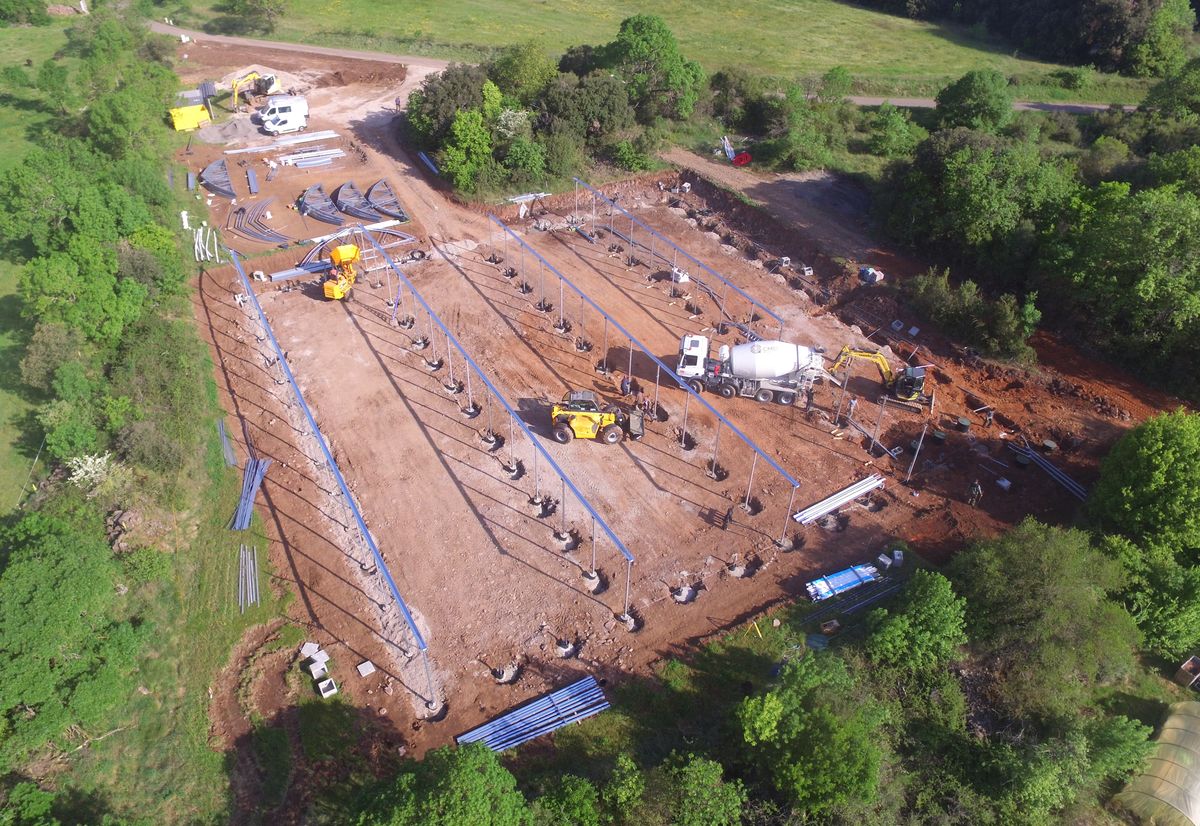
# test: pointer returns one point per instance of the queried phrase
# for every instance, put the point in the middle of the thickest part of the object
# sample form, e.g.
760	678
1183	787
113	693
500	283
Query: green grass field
788	38
17	115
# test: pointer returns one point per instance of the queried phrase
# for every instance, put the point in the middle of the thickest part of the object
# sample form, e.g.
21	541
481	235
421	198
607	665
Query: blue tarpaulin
842	581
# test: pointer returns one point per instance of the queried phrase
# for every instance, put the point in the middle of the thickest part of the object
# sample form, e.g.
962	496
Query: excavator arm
909	386
849	354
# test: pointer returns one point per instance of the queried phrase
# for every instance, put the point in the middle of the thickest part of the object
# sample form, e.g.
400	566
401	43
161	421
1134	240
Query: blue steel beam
329	460
562	474
682	251
671	373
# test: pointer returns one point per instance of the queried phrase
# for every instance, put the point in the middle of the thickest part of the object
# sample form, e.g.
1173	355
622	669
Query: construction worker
987	418
975	494
626	386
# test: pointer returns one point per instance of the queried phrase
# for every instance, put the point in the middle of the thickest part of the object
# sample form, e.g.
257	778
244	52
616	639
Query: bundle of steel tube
248	578
349	200
845	495
315	203
1074	488
247	221
256	469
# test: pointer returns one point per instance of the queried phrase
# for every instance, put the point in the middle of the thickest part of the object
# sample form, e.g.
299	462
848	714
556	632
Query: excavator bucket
344	254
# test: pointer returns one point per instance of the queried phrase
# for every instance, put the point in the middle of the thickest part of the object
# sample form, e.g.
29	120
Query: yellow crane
341	276
263	85
908	386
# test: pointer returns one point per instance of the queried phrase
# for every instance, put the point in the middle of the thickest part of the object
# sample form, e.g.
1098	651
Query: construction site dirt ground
486	581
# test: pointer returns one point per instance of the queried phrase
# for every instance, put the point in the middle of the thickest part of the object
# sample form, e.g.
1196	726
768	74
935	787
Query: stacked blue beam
576	702
256	469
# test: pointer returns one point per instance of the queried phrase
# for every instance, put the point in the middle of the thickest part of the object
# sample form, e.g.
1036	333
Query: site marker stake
716	447
563	506
512	446
431	703
750	483
628	577
787	516
628	372
657	377
593	545
916	453
683	430
605	368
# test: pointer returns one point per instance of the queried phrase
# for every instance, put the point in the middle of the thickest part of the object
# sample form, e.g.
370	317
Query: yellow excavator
340	279
908	386
579	416
263	85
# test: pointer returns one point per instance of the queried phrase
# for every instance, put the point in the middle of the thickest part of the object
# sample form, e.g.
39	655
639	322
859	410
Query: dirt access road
438	65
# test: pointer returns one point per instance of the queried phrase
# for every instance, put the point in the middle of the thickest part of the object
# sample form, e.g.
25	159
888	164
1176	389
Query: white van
286	122
277	105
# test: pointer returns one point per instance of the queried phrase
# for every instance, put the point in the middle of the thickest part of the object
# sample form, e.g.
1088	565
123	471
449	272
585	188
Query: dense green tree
572	802
523	71
623	791
835	85
814	735
972	191
1178	94
980	99
595	107
662	83
1132	260
526	159
25	804
1161	49
67	655
54	81
1149	486
467	150
32	12
432	109
1039	611
892	132
1181	167
82	293
924	630
1162	595
688	790
1104	159
450	787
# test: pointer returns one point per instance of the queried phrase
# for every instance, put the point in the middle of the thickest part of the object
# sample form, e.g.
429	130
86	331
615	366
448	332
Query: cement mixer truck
765	370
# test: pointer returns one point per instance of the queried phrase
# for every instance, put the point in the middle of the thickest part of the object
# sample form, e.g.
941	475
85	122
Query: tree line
989	693
1142	37
121	382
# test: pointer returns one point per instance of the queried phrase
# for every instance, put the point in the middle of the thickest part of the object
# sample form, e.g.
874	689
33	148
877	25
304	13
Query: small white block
366	669
320	657
318	670
327	688
897	557
308	649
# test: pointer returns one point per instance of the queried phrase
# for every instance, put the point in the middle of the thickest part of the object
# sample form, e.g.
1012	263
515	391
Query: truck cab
693	353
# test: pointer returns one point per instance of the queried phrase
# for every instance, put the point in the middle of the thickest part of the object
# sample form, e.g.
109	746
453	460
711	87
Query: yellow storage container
186	118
